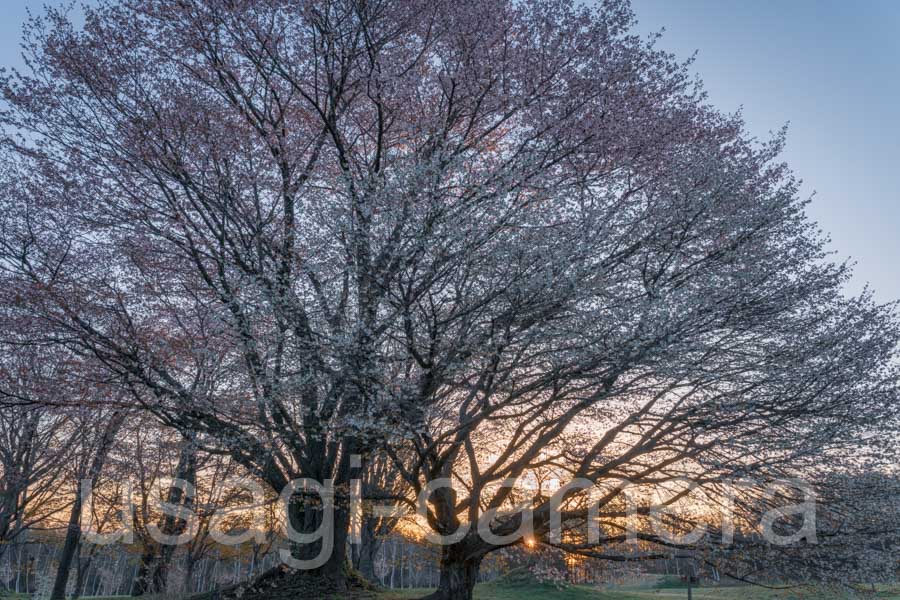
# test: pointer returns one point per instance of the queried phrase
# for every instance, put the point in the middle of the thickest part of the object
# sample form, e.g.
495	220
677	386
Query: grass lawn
489	591
536	591
507	591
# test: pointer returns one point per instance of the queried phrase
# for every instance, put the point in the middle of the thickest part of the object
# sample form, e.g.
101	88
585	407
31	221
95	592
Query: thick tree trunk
305	513
459	573
366	563
307	519
284	581
364	557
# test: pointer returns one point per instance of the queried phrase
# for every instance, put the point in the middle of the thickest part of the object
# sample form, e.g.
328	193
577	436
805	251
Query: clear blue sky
830	68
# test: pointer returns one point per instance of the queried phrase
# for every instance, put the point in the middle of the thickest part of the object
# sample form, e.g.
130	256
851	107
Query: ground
654	591
531	591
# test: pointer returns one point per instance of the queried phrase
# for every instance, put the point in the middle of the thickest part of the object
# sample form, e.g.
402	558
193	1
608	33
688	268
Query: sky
831	71
828	69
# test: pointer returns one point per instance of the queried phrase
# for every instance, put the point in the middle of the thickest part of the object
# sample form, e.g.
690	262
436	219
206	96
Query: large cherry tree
307	230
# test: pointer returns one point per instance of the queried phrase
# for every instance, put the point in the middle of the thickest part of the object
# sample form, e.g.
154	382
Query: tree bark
458	574
70	547
81	571
366	563
364	552
187	584
307	518
141	583
155	559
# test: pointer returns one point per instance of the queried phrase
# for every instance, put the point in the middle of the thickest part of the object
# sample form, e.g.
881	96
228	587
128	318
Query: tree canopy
481	239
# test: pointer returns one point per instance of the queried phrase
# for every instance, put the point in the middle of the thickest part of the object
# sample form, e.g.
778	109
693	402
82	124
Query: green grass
534	591
661	590
490	591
